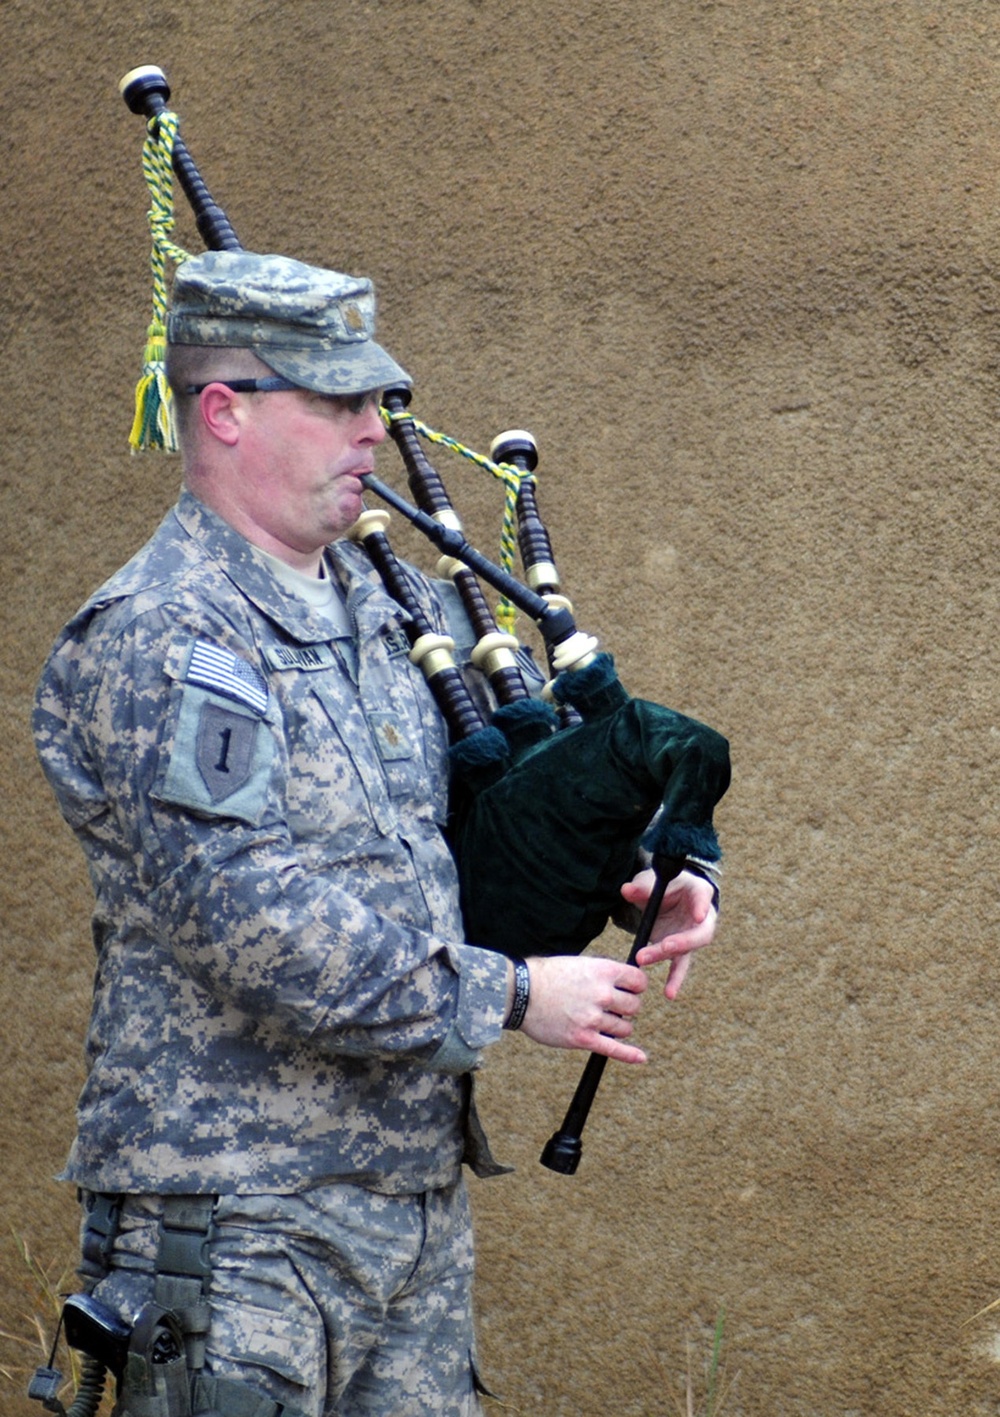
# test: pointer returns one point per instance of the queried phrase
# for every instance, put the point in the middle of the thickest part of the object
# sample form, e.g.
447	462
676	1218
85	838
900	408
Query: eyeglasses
276	383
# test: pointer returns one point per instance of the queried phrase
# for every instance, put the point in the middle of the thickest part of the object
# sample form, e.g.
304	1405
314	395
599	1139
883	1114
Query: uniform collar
368	604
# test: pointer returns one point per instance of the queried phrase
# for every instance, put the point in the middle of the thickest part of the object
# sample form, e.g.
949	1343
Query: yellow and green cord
153	424
508	474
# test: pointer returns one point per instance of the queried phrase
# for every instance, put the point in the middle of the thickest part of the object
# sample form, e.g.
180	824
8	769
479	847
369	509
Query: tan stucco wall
736	266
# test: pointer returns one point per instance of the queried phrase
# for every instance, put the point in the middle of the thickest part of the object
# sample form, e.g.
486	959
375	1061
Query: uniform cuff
482	995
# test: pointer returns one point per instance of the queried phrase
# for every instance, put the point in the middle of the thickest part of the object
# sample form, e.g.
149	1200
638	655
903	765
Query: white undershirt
323	595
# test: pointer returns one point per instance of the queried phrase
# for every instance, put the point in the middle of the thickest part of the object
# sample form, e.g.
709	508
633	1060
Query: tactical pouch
156	1382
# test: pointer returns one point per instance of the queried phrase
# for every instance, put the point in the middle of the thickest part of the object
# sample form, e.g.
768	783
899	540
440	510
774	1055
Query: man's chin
350	505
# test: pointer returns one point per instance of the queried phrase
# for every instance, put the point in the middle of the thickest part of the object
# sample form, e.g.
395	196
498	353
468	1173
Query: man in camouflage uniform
286	1019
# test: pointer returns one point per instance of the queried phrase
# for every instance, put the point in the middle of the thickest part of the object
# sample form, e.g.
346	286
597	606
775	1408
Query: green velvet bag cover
547	825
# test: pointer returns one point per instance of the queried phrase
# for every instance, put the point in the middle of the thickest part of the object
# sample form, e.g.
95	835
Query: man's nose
371	428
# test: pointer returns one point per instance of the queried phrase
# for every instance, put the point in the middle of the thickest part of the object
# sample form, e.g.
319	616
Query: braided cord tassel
510	476
153	425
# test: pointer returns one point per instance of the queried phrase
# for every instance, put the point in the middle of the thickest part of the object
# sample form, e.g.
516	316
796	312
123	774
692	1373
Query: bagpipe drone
556	797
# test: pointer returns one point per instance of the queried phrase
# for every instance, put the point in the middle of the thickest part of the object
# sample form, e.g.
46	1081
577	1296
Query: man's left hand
685	922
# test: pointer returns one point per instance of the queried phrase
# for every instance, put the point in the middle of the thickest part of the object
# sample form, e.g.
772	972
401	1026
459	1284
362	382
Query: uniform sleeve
192	756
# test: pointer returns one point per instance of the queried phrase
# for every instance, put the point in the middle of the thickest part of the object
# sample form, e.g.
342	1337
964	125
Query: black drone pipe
494	652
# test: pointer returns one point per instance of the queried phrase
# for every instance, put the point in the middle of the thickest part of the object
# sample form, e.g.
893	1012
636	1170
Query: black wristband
522	993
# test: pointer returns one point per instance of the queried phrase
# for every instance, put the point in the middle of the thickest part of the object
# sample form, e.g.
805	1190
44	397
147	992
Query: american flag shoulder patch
219	669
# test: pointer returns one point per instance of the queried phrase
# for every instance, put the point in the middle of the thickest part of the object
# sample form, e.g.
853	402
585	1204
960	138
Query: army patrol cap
315	327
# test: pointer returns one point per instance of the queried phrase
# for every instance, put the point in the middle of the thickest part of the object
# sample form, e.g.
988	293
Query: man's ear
220	413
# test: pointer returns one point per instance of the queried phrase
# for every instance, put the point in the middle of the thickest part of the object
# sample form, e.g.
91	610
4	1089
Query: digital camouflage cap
314	326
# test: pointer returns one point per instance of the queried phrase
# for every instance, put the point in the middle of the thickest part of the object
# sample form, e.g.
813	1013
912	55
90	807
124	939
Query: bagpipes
556	797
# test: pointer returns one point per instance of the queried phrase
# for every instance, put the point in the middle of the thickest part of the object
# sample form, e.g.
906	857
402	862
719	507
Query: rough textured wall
736	265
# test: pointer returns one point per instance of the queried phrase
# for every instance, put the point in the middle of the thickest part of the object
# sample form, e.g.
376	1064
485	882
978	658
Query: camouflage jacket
282	994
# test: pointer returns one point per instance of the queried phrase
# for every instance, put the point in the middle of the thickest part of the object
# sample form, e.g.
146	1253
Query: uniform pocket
281	1351
220	758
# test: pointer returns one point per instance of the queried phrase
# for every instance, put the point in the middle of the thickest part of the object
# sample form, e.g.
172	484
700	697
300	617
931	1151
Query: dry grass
39	1304
706	1396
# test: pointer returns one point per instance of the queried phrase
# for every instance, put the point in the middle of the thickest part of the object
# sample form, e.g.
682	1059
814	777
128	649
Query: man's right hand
577	1001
